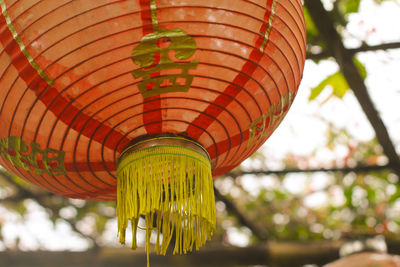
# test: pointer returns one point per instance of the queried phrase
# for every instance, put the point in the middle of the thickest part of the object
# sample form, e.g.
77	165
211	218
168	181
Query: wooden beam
356	169
362	48
272	254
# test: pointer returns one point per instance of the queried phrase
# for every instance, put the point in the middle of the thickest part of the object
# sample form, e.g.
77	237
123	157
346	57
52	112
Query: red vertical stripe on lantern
212	110
152	105
47	94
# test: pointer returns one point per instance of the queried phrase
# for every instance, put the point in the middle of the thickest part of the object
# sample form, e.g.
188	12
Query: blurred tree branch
344	58
356	169
23	193
242	219
353	51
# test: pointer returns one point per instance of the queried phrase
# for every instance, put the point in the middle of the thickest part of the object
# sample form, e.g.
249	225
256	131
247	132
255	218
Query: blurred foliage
324	205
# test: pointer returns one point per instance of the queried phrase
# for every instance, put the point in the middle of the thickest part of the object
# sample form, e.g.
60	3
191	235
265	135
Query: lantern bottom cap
166	180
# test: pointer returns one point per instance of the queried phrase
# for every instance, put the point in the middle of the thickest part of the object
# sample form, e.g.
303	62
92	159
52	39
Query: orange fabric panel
79	82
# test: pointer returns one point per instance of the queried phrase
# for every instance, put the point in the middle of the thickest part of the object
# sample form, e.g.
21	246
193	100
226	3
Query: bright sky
375	25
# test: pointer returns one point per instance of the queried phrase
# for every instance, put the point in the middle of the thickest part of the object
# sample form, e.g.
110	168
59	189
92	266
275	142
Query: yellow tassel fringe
173	185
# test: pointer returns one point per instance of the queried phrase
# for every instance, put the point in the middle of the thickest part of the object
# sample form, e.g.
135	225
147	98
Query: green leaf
310	26
348	194
349	6
361	68
335	81
101	224
339	85
21	208
381	1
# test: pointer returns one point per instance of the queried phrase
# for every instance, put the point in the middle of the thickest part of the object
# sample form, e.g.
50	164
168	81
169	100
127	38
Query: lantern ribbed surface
77	85
154	97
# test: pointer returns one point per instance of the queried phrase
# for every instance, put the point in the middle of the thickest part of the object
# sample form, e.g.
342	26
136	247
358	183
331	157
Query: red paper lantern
84	81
